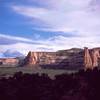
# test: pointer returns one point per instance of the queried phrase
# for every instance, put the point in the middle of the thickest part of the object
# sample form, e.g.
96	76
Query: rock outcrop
34	58
70	59
62	59
91	58
87	58
9	61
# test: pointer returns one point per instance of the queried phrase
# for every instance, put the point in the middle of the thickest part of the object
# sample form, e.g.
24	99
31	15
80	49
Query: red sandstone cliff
34	58
71	58
87	58
9	61
67	58
91	57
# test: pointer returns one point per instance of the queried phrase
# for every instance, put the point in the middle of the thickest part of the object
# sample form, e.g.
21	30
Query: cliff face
9	61
91	57
40	58
71	59
67	58
87	58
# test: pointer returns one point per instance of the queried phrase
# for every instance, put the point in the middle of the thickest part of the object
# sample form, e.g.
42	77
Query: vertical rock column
31	58
87	59
95	55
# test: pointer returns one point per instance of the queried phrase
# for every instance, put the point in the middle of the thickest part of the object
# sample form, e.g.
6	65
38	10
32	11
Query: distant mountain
11	53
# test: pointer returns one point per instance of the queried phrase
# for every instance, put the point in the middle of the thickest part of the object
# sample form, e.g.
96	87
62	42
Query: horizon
12	54
48	25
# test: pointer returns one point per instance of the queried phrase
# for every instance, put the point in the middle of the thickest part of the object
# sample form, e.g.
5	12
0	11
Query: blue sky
48	25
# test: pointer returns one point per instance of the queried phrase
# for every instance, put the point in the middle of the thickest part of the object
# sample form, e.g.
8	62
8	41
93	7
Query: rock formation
9	61
87	58
70	59
91	58
61	59
31	58
34	58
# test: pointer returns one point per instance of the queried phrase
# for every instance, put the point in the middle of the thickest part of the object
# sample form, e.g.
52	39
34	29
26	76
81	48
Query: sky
49	25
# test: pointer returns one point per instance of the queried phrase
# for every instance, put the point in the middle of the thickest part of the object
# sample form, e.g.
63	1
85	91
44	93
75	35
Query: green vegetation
9	71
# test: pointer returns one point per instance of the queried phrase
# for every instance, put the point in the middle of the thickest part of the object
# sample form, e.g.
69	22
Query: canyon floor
7	71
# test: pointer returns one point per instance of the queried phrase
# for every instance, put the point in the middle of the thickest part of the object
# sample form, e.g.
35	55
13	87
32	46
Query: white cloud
79	17
15	38
24	48
66	15
53	44
30	11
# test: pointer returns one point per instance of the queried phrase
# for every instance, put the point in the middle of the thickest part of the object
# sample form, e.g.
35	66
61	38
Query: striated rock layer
9	61
91	58
62	59
71	59
40	58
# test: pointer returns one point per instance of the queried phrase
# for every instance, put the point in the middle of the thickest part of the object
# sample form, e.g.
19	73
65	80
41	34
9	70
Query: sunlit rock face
91	58
87	58
9	61
65	58
72	59
40	58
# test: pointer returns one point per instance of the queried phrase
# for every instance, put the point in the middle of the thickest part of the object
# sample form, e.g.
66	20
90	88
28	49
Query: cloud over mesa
51	44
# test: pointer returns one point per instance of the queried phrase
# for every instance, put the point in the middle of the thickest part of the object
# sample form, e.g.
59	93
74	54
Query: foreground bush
84	85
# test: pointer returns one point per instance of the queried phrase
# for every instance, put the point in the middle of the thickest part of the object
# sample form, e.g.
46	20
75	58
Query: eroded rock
91	57
62	59
9	61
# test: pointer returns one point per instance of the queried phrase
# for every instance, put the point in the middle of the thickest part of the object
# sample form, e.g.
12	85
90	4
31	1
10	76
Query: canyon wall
71	59
62	59
40	58
9	61
91	58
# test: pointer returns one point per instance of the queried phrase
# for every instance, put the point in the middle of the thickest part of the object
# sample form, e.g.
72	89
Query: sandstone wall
88	58
8	61
91	57
60	59
72	58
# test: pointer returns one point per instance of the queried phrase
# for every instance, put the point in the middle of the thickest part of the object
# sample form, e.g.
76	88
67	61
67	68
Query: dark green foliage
84	85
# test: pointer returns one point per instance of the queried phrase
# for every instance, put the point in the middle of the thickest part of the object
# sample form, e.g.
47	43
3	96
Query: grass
6	71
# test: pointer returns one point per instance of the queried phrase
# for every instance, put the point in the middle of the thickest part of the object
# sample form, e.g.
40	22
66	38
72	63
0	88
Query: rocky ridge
71	58
61	59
